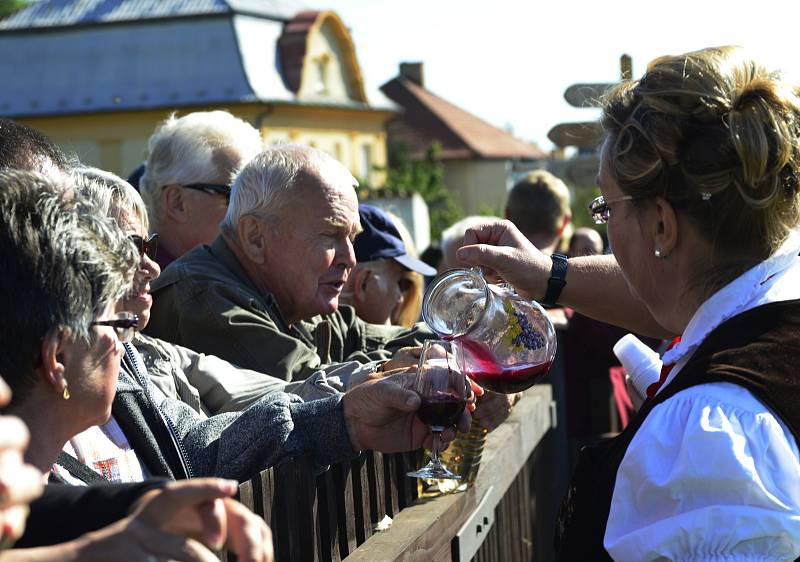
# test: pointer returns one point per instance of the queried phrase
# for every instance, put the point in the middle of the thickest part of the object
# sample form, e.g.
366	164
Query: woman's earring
658	253
66	394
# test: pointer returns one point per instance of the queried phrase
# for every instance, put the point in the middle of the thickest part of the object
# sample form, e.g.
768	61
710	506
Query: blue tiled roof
58	13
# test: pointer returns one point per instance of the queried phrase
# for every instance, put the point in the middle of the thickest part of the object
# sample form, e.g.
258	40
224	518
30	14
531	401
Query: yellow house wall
341	133
118	141
478	184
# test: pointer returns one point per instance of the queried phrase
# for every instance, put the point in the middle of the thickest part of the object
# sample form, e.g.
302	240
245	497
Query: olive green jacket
205	301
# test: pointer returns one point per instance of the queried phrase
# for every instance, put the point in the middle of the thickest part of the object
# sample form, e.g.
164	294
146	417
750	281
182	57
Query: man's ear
252	233
361	283
564	224
175	204
665	234
55	355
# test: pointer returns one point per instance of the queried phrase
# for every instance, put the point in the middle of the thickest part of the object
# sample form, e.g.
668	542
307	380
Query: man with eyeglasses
188	174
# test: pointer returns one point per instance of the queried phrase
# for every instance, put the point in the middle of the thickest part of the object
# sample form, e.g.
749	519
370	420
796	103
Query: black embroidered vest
758	350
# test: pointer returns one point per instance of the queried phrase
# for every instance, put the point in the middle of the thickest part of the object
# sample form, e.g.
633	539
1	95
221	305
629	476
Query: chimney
412	71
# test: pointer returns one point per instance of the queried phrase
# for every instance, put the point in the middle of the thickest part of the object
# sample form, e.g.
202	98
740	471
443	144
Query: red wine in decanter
484	369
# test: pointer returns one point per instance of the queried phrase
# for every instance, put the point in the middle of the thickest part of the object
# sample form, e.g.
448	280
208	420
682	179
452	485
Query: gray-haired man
265	294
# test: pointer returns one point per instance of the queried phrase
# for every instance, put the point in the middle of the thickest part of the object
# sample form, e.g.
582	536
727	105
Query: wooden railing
336	515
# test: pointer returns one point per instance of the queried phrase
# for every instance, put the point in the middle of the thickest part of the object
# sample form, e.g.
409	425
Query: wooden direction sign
586	135
585	95
582	135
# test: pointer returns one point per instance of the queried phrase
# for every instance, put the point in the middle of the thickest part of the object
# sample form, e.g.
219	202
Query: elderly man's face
310	252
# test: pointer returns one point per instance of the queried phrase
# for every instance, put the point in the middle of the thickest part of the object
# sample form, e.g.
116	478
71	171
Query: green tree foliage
405	176
8	7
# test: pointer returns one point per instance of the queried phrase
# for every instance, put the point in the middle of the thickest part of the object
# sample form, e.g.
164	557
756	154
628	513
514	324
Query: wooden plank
326	516
585	95
345	508
406	486
361	499
390	485
377	497
245	496
582	135
265	495
293	510
423	531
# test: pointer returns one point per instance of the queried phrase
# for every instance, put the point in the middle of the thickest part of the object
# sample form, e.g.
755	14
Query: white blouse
713	474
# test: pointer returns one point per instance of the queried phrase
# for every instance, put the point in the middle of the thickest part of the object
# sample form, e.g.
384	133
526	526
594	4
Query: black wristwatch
558	278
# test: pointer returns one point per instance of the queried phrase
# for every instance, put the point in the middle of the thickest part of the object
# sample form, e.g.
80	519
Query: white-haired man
265	294
187	177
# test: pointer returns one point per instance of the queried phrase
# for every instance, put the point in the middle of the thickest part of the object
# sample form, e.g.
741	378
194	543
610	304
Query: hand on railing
493	408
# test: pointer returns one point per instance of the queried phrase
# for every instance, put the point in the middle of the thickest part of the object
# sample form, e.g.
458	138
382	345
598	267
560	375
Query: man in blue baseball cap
377	284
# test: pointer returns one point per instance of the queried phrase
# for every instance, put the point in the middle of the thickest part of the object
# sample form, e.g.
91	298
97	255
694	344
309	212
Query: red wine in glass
443	390
484	370
442	410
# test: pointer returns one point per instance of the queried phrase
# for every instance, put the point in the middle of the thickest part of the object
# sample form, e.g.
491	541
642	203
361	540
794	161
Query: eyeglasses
124	325
600	210
212	189
148	246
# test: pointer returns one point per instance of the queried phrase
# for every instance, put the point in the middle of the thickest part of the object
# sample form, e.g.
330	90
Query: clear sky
509	61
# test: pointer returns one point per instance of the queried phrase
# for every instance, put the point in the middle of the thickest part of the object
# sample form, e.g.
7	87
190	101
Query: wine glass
444	389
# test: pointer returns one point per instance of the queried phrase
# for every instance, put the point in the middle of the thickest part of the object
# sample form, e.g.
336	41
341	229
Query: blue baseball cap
380	240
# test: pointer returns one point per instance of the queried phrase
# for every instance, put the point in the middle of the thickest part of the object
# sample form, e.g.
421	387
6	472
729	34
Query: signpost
585	135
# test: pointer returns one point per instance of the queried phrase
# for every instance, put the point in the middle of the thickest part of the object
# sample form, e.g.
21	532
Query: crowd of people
234	306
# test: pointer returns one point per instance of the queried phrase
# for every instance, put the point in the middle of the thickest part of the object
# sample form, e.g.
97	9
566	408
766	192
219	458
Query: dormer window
321	64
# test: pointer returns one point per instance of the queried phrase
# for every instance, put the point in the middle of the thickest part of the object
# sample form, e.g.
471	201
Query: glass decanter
509	342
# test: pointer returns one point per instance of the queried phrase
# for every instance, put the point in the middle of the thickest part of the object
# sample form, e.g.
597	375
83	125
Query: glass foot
434	471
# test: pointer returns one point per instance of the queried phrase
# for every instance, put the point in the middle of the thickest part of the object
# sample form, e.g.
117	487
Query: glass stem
437	443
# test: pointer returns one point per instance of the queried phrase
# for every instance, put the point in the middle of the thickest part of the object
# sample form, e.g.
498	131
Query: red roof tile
428	118
292	47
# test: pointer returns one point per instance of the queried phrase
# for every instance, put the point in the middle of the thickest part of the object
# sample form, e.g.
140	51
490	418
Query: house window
321	74
366	161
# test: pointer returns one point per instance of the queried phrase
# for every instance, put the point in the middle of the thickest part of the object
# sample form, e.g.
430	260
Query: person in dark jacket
66	267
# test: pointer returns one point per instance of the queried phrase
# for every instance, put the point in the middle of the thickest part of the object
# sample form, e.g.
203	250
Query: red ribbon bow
666	368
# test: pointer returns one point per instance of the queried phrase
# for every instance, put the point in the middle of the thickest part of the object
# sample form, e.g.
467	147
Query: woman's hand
504	252
183	521
201	509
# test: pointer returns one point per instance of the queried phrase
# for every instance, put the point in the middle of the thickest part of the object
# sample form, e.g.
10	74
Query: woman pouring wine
699	181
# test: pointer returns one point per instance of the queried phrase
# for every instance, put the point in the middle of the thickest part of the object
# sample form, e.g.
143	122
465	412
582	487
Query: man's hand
493	408
381	416
403	358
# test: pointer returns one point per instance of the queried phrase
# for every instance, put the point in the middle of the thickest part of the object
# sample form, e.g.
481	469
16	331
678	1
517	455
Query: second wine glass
444	390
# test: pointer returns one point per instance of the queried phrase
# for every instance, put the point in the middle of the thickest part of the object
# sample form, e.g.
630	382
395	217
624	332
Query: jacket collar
221	251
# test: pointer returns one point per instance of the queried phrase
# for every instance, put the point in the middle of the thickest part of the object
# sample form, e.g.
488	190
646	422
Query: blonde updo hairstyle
718	136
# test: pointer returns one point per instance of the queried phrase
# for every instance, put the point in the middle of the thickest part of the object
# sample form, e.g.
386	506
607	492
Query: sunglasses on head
147	246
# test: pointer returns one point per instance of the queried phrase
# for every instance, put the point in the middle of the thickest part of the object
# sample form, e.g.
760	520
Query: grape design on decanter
520	334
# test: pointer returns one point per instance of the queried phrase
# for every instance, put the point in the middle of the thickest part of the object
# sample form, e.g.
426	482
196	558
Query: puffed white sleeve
712	474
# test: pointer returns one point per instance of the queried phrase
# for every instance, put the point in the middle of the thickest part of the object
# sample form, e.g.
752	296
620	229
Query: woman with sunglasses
64	269
699	174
